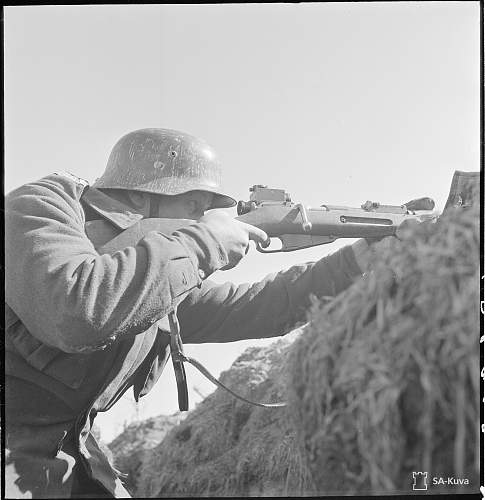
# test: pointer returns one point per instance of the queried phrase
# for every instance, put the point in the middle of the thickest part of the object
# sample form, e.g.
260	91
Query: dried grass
226	447
127	451
385	381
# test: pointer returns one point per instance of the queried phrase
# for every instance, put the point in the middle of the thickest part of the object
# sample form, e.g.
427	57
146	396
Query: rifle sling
178	359
208	375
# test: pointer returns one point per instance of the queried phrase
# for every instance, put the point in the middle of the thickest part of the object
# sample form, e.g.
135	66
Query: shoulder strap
208	375
178	358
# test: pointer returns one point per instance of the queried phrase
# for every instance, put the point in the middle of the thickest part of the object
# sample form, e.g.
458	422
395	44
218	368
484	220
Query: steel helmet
164	161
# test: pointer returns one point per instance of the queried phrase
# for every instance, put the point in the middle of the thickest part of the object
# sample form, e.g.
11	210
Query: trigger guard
286	246
262	249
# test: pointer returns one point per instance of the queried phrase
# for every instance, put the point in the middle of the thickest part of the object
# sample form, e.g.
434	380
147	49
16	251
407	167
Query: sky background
337	103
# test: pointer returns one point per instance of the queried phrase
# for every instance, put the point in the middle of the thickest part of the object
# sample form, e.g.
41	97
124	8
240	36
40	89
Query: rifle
295	225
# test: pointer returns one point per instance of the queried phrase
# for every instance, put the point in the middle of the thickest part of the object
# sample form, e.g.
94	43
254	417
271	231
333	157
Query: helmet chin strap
154	205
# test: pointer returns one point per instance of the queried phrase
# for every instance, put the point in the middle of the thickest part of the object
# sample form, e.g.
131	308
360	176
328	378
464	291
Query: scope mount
261	195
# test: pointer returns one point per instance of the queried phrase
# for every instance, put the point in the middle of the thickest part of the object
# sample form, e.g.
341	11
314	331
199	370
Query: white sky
338	103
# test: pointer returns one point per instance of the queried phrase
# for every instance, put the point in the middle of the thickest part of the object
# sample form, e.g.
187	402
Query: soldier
83	328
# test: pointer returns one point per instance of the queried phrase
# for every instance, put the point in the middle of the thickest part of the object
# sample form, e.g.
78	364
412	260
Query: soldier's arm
271	307
72	298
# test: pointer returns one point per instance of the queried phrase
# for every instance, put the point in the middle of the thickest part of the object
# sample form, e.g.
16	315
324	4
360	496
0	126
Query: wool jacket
83	328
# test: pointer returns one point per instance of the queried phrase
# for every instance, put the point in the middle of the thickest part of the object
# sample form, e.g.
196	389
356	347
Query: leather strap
154	205
178	358
208	375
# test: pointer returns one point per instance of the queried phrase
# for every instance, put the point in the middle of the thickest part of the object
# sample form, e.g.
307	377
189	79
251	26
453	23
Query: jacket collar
119	214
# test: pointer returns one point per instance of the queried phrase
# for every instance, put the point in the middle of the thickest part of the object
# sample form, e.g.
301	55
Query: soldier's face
191	205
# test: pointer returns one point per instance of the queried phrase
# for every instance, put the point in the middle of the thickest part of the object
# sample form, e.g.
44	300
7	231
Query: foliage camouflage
386	379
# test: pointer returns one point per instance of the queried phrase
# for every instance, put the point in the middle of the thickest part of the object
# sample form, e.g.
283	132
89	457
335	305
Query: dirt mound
386	379
127	451
226	447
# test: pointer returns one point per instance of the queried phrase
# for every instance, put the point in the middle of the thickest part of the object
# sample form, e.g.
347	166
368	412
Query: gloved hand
233	235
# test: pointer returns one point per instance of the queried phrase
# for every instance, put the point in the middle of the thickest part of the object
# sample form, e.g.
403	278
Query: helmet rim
220	200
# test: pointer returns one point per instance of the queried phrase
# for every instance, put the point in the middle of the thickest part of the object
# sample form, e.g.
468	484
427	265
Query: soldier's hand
406	228
233	235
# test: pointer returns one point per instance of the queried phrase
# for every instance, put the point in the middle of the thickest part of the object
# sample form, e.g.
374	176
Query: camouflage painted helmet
164	161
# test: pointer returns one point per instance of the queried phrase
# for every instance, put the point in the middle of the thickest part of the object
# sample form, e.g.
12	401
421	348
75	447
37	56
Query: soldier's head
165	173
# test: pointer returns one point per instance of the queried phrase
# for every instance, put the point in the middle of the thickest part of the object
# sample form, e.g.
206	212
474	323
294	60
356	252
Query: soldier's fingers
256	234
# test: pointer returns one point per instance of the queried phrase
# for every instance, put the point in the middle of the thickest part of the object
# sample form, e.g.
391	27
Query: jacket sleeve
70	297
269	308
